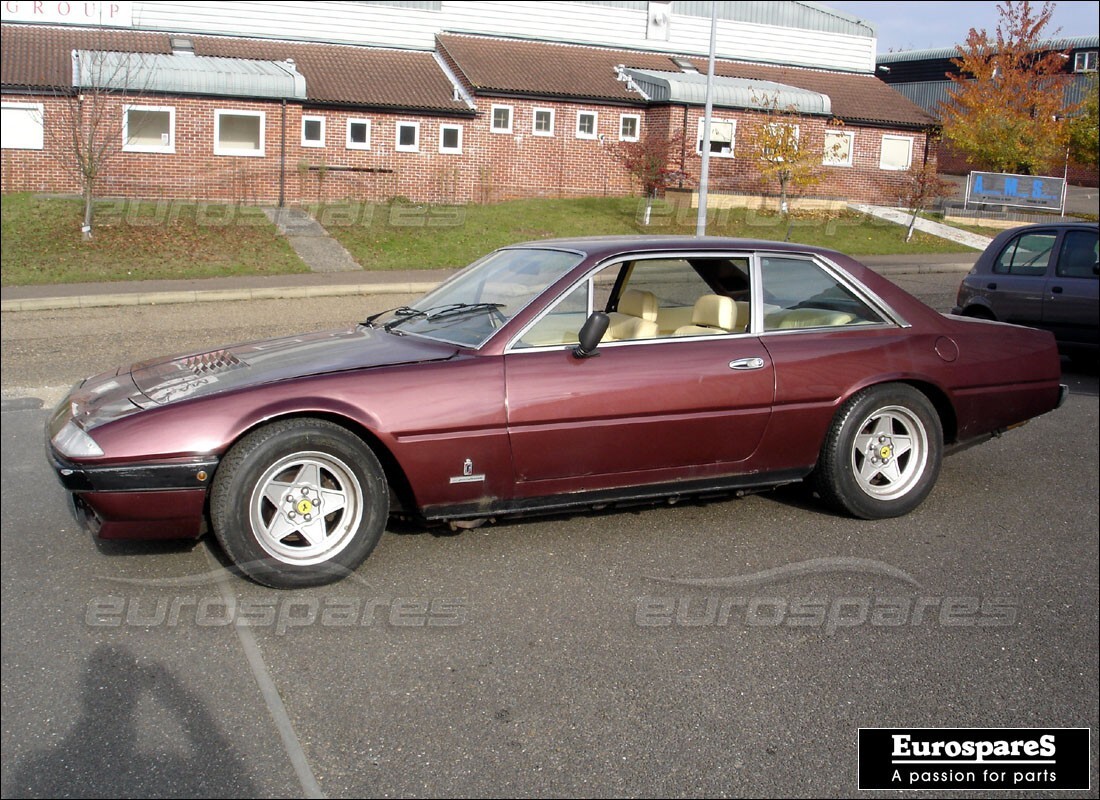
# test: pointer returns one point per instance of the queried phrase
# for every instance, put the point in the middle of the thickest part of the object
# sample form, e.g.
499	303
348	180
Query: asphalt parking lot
728	647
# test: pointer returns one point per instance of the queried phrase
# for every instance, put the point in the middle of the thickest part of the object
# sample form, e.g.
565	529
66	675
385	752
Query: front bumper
148	500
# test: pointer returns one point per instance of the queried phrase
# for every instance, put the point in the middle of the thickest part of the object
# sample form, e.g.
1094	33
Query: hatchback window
1027	254
1078	257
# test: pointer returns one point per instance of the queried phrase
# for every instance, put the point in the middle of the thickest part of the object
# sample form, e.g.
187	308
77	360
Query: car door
641	410
1071	302
1016	286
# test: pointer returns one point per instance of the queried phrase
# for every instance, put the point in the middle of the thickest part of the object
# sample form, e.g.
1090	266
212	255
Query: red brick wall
491	167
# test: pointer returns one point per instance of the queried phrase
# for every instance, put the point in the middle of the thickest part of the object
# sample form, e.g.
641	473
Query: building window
897	152
450	138
1084	62
239	133
408	137
720	140
148	129
629	125
358	135
501	121
22	125
586	124
839	146
543	124
313	131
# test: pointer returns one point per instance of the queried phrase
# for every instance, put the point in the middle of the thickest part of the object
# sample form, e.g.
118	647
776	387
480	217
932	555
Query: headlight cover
72	442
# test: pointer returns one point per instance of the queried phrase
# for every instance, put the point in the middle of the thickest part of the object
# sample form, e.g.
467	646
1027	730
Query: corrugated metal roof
187	74
691	88
801	15
933	54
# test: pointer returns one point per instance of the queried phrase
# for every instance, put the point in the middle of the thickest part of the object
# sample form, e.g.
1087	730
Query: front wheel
300	502
882	455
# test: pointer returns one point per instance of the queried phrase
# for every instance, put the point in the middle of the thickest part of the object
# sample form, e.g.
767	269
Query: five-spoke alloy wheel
882	454
299	502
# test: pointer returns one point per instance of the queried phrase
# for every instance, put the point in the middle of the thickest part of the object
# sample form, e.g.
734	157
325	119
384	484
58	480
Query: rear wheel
882	455
300	502
978	312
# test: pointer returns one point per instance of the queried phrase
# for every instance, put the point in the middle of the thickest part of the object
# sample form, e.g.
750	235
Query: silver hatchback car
1045	276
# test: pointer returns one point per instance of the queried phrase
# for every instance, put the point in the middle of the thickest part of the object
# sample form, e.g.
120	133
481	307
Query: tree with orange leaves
1007	108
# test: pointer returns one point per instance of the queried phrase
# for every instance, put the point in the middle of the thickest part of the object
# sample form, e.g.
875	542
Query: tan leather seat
805	318
715	314
636	317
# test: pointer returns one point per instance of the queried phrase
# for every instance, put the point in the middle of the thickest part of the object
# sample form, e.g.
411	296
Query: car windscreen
470	307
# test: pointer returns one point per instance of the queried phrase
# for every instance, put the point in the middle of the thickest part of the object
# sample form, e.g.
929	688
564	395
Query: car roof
607	246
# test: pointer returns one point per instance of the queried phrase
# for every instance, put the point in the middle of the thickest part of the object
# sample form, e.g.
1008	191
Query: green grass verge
149	240
406	236
41	242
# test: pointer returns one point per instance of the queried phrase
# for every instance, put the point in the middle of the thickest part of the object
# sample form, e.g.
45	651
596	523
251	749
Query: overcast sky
919	25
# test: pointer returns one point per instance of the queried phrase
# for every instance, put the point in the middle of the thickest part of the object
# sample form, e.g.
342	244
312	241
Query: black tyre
299	502
882	454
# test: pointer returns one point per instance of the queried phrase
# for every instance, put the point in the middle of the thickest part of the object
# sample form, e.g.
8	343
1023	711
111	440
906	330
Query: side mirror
591	335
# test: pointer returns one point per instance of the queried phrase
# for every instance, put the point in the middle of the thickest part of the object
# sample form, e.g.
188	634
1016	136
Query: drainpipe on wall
282	160
683	147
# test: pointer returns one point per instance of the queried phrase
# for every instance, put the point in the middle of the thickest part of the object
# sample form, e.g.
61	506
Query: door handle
991	286
1056	289
756	362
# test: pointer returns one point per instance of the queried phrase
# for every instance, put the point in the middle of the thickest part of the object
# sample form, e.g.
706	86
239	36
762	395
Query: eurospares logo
1019	759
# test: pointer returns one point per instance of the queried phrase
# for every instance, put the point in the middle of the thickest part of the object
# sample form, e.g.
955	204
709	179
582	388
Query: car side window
1027	254
799	293
690	296
1078	256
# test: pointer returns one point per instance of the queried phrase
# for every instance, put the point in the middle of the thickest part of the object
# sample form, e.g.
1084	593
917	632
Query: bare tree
84	129
924	186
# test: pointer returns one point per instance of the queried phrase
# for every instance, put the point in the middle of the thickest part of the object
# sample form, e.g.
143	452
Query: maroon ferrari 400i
550	375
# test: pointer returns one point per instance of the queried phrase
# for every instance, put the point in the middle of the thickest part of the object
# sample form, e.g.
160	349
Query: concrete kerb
210	296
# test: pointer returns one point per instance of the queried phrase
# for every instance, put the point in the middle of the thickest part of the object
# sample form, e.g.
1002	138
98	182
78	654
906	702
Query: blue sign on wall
1028	191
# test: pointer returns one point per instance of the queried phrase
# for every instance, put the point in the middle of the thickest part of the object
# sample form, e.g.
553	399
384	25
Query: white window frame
1081	61
170	147
534	121
713	122
450	126
312	118
882	152
493	119
595	125
406	148
33	113
233	112
637	127
348	143
851	136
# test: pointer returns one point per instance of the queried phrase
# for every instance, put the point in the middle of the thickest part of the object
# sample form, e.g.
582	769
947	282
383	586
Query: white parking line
275	707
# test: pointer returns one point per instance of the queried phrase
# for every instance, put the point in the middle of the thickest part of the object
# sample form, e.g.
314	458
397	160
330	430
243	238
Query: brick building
473	118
